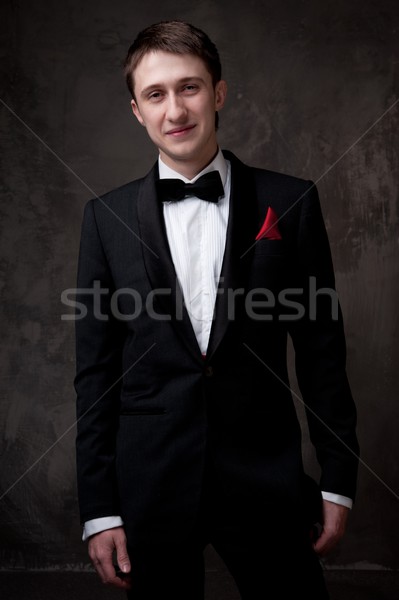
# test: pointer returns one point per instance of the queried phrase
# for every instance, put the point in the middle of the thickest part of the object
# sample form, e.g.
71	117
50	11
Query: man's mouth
180	131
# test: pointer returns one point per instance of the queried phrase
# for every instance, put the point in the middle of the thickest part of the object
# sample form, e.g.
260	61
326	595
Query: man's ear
220	94
136	112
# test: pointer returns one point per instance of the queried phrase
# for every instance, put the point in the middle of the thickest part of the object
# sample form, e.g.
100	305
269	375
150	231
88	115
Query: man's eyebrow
155	86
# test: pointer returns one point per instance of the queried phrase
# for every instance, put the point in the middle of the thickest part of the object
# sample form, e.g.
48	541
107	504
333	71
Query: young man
187	432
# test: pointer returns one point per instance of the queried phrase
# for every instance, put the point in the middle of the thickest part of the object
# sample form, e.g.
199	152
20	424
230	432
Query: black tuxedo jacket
154	414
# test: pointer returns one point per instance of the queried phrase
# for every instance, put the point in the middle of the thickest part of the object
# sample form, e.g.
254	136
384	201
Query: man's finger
102	561
122	556
321	546
108	574
326	542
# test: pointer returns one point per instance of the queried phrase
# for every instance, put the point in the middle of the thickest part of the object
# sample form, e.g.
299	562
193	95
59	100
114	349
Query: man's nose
176	109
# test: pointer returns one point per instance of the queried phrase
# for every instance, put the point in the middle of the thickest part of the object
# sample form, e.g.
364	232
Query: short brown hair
176	37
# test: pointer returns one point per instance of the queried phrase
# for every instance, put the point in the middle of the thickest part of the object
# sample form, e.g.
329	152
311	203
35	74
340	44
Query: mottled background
310	88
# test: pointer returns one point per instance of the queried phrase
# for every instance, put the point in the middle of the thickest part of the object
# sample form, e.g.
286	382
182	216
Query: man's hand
335	517
101	548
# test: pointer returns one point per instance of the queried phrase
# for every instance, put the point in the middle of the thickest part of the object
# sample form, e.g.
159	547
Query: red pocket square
269	230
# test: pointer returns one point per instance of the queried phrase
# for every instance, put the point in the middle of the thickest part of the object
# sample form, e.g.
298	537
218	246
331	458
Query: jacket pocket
267	247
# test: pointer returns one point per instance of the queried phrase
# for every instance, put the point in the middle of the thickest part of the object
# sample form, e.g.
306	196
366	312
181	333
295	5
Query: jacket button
208	371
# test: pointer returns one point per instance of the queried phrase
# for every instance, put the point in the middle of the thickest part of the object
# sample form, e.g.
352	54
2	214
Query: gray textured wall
309	83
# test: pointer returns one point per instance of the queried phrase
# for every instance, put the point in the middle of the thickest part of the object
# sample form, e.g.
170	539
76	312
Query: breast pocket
267	277
269	264
267	247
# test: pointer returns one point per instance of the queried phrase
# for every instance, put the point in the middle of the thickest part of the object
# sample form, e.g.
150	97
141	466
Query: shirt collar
218	164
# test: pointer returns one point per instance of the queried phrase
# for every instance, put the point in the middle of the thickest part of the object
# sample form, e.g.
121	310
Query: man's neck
188	169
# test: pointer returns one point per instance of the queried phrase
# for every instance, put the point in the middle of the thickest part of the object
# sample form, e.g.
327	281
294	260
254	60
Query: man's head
173	71
176	37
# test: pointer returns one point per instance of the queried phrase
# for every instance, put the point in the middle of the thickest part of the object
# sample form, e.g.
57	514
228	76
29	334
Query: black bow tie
207	187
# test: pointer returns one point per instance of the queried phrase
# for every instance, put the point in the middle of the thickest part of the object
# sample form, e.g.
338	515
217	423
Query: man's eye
190	87
155	96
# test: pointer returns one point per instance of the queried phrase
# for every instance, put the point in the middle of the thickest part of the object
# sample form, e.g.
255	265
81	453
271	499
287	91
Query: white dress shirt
196	232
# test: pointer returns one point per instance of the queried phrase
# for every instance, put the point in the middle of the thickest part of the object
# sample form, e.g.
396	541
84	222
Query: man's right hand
101	548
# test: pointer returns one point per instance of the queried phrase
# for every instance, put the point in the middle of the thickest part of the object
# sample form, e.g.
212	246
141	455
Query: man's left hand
335	517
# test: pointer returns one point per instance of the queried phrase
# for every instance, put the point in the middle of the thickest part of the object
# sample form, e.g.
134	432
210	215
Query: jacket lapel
240	237
158	262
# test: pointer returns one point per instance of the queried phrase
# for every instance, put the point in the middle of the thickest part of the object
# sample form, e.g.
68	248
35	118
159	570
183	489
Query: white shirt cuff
338	499
101	524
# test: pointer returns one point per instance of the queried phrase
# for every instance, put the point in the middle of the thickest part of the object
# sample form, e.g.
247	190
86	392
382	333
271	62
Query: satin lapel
240	237
158	262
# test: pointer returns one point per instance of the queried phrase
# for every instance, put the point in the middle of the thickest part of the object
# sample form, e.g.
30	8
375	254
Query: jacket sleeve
320	355
99	341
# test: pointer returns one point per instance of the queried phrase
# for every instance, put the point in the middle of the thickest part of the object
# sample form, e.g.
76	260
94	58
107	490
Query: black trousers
259	572
269	556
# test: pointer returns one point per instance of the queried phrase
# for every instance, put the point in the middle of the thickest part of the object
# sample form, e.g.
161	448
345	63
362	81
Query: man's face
176	102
